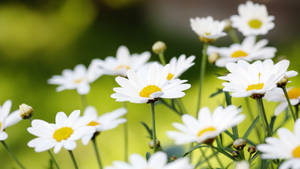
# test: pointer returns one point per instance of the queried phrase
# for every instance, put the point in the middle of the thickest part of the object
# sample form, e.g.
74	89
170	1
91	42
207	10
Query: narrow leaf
147	129
247	133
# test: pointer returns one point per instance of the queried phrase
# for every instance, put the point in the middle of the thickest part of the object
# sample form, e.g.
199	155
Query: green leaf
229	134
227	98
219	91
224	152
250	128
273	118
194	148
147	129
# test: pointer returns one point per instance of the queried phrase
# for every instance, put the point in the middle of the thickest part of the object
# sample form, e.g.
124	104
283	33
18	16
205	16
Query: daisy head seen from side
286	147
147	85
79	78
177	67
7	119
245	79
158	160
252	19
123	62
208	29
62	134
101	123
207	126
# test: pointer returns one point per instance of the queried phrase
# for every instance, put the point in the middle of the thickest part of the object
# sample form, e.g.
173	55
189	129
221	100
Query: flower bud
228	24
159	47
151	145
213	57
25	111
173	158
283	82
235	153
239	144
251	149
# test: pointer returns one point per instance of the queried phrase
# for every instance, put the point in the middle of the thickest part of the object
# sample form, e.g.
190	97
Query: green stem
125	136
201	77
153	127
83	101
260	106
181	106
233	35
170	107
53	159
235	130
97	153
252	117
73	159
289	103
205	158
162	58
12	155
297	110
217	157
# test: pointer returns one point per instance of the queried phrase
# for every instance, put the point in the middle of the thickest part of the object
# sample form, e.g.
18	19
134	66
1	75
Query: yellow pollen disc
93	123
170	76
239	54
207	33
257	86
294	93
255	23
0	125
122	67
296	152
148	90
77	81
63	133
208	129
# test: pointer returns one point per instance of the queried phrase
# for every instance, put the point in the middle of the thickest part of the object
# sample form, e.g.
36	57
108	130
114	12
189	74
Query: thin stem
162	58
153	127
12	155
260	106
201	77
217	157
170	107
235	130
53	159
289	103
233	35
73	159
205	158
180	105
125	137
252	117
297	110
83	101
97	153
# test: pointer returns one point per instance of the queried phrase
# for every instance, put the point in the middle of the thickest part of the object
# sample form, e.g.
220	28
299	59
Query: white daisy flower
207	126
147	85
78	79
178	66
63	133
253	19
277	95
287	147
7	119
207	28
249	50
247	79
158	160
123	62
101	123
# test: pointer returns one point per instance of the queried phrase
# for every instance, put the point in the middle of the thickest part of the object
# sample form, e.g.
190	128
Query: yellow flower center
296	152
294	93
239	54
207	33
0	125
255	23
93	123
208	129
63	133
79	80
257	86
126	67
170	76
148	90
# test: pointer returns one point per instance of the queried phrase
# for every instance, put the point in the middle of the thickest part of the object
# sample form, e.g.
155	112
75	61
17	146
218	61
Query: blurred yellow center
255	23
239	54
0	125
170	76
93	123
208	129
122	67
207	33
294	93
63	133
296	152
257	86
148	90
79	80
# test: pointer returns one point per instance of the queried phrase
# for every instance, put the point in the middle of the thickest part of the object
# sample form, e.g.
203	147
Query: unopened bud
151	145
213	57
235	153
239	144
251	149
173	158
283	82
25	111
228	24
159	47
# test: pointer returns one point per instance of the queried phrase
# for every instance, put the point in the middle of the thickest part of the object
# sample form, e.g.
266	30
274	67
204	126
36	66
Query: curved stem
53	159
97	153
12	155
83	101
73	159
162	58
261	108
289	103
153	127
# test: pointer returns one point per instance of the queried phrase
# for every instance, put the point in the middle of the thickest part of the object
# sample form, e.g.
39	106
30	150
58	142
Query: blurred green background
41	38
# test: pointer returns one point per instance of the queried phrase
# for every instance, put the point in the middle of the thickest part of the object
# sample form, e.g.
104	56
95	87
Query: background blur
41	38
